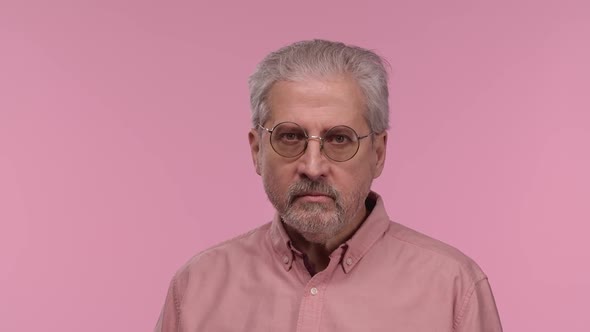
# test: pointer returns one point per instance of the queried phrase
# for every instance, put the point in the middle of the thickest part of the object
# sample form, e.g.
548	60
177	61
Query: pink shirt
387	277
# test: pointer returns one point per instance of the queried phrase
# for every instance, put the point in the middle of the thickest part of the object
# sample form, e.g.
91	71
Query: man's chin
312	221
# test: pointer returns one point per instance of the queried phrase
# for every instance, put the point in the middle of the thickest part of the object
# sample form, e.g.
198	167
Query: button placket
314	298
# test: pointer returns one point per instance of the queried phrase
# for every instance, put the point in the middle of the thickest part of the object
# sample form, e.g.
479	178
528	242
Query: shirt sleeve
170	315
479	313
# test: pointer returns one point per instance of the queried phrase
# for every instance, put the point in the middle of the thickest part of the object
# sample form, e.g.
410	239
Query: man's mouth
314	197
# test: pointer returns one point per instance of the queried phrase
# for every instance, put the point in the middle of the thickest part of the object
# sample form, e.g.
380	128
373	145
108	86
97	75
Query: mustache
305	187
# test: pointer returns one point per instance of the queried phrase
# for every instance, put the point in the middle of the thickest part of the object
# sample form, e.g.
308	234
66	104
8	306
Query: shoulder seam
176	301
459	319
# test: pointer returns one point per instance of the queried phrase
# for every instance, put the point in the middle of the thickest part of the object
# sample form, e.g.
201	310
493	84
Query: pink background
123	147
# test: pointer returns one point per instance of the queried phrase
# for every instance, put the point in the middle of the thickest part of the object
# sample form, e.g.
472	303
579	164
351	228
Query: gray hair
320	59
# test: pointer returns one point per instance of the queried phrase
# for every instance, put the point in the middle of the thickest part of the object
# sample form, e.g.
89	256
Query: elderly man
331	259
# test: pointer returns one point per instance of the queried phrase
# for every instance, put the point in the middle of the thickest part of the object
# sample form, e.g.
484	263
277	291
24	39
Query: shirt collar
281	242
372	229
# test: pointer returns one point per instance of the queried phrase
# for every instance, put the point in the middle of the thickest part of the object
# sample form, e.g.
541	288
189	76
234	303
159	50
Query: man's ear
380	150
254	139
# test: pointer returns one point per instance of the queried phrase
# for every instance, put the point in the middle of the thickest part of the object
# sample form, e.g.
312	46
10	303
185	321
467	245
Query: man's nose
313	164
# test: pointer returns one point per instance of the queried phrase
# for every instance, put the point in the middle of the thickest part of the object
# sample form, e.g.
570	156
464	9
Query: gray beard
316	222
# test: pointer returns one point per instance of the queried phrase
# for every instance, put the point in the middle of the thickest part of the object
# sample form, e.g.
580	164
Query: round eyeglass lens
341	143
288	139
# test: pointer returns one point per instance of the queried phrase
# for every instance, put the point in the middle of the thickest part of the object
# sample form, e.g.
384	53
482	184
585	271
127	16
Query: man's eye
338	139
290	137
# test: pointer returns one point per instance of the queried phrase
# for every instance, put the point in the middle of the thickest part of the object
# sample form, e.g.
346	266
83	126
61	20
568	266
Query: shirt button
313	291
285	259
349	261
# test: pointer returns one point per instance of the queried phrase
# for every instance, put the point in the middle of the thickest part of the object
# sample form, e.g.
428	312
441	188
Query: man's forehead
317	104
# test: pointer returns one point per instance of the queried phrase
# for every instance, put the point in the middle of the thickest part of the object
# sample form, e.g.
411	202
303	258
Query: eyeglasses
339	143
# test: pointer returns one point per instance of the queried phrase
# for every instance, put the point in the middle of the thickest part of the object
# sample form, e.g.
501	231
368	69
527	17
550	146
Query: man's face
319	198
